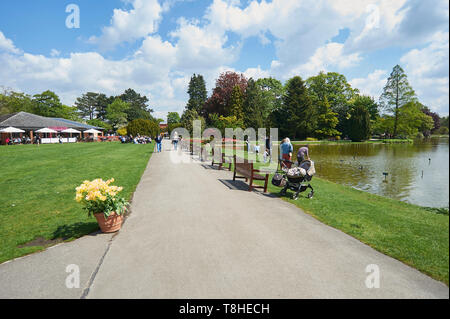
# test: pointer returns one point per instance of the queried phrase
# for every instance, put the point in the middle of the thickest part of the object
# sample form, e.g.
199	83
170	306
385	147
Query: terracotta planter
110	225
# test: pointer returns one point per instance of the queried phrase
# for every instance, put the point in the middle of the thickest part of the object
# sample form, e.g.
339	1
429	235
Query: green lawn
37	188
415	235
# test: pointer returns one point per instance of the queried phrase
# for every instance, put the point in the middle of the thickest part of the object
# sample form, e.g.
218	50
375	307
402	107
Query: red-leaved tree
219	102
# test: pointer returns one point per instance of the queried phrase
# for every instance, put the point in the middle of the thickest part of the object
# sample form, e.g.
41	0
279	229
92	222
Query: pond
417	173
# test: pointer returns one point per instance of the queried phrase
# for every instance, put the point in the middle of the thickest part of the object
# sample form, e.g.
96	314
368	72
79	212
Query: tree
444	121
47	103
236	103
197	93
436	120
173	118
188	117
396	93
137	105
359	123
222	122
300	118
263	96
337	90
99	123
368	103
86	105
410	121
326	120
272	92
116	113
253	106
12	102
143	127
219	102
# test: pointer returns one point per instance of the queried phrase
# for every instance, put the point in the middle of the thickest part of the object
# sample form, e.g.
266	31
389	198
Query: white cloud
428	72
55	53
200	48
128	26
371	85
7	44
329	57
256	73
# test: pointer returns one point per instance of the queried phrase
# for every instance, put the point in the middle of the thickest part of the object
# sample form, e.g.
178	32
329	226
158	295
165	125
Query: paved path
193	233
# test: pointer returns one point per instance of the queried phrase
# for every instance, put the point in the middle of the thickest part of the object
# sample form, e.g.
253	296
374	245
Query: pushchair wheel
295	196
283	192
311	194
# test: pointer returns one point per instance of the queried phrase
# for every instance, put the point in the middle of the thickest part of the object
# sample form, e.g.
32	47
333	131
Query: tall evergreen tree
396	93
197	93
300	119
87	105
253	106
236	103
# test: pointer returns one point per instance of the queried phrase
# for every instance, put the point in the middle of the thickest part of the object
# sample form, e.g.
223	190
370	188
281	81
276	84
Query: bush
122	131
443	130
143	127
310	139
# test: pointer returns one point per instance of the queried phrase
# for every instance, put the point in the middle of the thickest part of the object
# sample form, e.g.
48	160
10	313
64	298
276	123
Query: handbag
277	180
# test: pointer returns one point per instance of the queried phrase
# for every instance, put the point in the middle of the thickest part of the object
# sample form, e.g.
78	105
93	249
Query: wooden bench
226	159
246	170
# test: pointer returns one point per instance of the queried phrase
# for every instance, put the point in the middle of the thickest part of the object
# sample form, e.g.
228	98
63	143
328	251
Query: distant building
164	129
32	122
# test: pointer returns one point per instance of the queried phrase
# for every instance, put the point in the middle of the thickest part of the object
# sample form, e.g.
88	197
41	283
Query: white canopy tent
71	130
92	131
46	130
11	130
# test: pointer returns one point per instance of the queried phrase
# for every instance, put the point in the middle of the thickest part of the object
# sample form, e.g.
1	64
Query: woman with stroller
286	150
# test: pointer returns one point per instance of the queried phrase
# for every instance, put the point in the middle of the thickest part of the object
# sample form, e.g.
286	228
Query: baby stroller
295	178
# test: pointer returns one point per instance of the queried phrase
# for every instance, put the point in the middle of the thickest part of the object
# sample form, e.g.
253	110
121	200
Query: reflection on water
362	166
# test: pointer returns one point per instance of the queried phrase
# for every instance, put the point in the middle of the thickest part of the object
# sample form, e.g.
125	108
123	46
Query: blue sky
154	46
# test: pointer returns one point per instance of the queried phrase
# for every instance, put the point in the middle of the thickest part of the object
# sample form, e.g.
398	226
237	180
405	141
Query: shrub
443	130
143	127
310	139
122	131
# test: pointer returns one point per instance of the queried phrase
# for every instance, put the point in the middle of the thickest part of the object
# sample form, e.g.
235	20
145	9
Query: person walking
175	141
158	141
286	150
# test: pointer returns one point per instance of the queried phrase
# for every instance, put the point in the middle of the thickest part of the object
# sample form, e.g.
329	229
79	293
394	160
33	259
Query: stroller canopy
305	168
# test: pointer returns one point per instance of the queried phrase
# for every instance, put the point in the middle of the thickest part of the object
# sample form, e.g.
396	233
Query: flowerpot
111	224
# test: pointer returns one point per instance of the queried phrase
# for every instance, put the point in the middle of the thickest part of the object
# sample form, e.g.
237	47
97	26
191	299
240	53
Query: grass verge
37	189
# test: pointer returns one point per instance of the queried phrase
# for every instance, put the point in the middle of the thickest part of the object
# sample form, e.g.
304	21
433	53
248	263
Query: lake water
362	165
